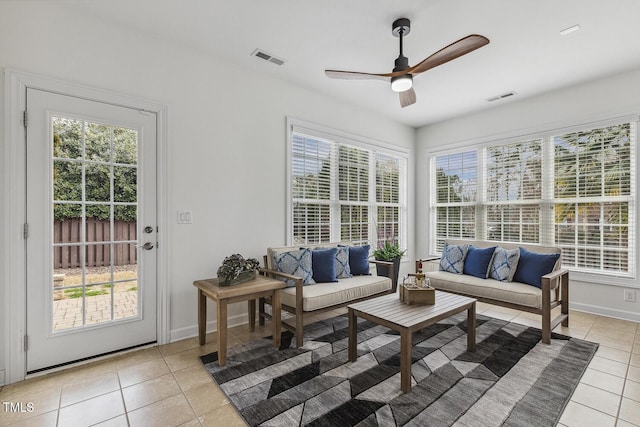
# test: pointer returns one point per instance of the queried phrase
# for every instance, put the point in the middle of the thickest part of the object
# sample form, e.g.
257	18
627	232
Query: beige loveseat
302	300
554	289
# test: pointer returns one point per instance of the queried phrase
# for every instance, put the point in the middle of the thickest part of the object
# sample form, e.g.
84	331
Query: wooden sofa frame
298	311
558	279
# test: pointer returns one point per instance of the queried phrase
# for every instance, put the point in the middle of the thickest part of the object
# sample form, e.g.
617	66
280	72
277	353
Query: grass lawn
101	276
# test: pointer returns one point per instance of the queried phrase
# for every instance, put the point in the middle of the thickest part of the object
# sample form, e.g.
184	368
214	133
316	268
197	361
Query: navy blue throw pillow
532	266
323	264
359	260
477	261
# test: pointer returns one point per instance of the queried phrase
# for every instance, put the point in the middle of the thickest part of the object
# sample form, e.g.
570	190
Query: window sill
604	279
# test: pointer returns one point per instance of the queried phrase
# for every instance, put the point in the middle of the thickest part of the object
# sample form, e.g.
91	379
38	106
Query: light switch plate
185	217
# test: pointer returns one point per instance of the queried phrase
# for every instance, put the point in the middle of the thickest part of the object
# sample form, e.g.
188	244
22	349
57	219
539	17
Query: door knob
147	246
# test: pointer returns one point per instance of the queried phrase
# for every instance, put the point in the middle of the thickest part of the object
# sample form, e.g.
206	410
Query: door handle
147	246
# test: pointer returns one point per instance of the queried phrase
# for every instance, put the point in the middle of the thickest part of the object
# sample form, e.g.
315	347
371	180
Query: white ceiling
527	54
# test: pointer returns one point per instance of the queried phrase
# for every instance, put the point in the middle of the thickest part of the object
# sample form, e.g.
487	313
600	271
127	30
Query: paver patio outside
68	312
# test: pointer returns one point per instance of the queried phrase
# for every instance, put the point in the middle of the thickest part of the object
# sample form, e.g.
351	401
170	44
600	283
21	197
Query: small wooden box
415	295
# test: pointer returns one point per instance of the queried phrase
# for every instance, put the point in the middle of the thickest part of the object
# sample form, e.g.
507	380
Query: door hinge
25	118
25	230
26	342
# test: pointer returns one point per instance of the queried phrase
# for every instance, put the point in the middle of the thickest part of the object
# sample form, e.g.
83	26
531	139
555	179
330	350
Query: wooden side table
248	291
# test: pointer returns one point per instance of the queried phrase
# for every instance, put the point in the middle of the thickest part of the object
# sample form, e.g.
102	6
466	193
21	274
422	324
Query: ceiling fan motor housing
402	63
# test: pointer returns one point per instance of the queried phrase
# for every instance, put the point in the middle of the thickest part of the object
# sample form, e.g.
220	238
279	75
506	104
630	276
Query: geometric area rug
512	379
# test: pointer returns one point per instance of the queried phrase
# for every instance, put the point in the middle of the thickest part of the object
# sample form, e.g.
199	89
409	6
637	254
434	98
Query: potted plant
236	269
389	252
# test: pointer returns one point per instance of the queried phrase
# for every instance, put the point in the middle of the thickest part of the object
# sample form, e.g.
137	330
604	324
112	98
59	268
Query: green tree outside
109	151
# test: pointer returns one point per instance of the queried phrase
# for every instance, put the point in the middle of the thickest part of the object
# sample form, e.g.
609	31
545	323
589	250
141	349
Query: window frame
548	197
374	147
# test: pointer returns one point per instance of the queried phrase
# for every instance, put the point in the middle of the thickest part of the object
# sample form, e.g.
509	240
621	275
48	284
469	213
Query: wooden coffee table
406	319
260	287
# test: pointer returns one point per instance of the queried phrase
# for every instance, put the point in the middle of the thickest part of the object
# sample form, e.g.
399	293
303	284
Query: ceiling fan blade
407	97
354	75
453	51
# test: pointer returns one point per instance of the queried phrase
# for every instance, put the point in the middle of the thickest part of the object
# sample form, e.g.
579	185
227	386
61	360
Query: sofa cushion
477	261
329	294
504	264
297	263
323	264
509	292
452	259
359	260
343	270
532	266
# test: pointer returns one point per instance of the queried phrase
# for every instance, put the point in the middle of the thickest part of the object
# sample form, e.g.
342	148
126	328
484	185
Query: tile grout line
182	391
621	392
124	403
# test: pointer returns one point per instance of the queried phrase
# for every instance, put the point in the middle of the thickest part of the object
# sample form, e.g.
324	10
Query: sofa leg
546	311
564	306
546	332
299	329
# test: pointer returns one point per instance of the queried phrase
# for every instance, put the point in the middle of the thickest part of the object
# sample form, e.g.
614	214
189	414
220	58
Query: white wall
226	145
606	98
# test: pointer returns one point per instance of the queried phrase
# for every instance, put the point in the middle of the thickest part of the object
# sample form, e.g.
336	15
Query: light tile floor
167	385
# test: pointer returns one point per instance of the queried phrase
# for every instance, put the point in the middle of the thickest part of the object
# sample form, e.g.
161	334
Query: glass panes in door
95	266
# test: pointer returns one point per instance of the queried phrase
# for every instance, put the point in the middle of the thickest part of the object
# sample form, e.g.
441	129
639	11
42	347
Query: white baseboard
212	326
604	311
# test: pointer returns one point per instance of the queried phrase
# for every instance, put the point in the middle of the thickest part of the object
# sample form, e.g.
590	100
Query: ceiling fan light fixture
401	83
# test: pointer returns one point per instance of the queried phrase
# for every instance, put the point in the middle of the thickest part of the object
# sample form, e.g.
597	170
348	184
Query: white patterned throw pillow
452	259
504	264
343	271
297	263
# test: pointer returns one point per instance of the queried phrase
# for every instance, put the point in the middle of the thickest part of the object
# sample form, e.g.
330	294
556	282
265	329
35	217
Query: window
345	190
514	191
573	189
456	186
594	197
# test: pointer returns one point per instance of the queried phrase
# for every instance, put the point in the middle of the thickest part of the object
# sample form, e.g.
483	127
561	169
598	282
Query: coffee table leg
275	317
353	336
222	332
202	317
405	360
471	327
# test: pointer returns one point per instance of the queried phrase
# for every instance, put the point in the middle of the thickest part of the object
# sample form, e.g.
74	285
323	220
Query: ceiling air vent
503	96
267	57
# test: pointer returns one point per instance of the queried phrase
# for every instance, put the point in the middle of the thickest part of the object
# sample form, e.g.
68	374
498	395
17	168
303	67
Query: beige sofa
519	296
302	300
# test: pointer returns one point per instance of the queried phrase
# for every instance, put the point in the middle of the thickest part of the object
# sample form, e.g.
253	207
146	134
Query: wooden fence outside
97	254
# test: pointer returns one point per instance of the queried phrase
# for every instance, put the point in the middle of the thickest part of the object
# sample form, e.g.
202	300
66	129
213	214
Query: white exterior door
91	228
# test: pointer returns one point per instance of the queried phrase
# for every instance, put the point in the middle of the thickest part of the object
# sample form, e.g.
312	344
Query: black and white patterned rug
512	379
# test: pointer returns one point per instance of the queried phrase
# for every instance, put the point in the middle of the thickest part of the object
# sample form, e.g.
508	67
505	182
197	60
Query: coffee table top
389	311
